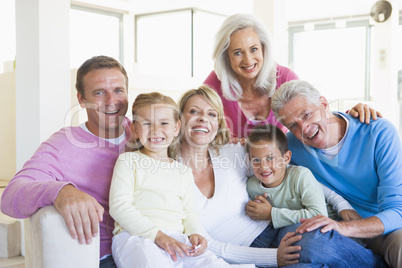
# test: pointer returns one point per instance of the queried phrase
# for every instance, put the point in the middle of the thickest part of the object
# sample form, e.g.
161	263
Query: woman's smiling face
245	54
200	121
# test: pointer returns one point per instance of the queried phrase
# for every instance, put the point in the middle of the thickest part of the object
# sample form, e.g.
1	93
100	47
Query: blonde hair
266	78
154	98
213	99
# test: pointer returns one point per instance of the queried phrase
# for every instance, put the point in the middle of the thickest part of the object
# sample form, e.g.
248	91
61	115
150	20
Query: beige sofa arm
48	243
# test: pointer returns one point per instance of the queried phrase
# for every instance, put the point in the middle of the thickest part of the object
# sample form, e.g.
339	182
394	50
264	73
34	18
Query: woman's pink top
239	125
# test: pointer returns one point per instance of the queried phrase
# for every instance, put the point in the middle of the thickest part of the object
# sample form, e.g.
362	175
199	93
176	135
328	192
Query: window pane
93	34
333	60
7	33
205	27
164	44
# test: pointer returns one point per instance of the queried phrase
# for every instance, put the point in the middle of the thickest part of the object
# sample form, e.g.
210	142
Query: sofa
48	243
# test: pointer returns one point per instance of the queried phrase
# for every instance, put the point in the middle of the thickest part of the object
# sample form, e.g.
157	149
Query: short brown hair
268	133
95	63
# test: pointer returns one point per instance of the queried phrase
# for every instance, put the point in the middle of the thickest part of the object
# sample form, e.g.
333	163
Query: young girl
152	196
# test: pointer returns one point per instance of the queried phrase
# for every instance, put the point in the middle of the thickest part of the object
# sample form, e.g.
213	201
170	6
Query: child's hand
172	246
349	214
199	243
259	208
236	140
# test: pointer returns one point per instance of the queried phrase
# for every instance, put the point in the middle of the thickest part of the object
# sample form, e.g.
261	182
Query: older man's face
308	122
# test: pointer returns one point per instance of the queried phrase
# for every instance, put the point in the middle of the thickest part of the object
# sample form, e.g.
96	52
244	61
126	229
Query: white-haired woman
246	76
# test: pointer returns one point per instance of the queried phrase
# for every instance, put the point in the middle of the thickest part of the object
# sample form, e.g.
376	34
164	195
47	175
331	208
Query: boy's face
269	165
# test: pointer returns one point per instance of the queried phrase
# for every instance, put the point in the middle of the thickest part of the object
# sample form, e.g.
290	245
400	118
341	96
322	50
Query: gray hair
291	89
266	78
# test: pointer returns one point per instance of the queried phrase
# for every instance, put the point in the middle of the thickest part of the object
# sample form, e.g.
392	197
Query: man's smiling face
308	121
105	100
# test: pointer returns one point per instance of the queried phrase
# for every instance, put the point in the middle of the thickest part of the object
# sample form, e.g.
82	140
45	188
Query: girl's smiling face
156	128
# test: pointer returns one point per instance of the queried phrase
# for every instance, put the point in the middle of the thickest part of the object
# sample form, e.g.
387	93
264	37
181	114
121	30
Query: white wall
47	55
7	123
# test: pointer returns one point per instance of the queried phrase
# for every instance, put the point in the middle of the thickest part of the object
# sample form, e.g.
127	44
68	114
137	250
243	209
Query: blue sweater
367	172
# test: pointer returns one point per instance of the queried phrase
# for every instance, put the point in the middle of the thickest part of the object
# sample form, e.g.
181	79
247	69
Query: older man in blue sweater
363	163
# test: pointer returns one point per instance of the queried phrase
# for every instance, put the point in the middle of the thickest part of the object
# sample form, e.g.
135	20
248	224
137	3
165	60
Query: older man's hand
327	224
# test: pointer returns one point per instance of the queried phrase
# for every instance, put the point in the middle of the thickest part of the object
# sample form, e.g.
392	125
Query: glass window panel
164	44
333	60
205	27
93	34
7	33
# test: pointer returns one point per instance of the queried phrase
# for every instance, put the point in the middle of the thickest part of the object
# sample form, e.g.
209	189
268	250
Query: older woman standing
245	75
220	174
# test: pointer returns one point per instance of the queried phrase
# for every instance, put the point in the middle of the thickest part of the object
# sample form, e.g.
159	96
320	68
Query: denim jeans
107	262
328	249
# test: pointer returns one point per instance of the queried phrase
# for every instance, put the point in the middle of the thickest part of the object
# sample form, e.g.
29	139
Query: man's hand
365	228
286	254
349	214
199	243
81	212
308	225
364	112
172	246
259	209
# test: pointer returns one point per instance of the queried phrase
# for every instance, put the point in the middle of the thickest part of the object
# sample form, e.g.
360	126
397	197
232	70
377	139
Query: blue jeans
107	262
328	249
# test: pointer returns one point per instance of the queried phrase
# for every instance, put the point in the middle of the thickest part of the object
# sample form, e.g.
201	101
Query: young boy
291	192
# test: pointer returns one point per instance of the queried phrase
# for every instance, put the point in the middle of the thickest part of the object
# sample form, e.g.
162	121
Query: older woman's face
245	54
200	121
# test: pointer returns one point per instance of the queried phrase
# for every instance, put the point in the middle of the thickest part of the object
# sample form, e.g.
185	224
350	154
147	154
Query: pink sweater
236	121
70	156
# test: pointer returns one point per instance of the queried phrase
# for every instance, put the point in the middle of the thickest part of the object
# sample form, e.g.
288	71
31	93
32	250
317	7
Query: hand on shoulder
364	112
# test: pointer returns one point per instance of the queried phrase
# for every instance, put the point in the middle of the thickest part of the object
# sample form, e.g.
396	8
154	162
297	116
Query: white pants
136	252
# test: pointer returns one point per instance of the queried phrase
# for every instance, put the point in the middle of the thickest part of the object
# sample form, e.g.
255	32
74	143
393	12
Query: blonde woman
220	175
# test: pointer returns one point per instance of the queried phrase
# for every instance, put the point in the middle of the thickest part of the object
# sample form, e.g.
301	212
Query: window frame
292	30
117	15
192	12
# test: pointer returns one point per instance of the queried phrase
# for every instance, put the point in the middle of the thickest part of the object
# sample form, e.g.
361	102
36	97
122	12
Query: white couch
48	243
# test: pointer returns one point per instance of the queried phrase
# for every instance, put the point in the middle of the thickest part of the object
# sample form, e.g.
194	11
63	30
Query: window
333	59
7	33
182	38
94	32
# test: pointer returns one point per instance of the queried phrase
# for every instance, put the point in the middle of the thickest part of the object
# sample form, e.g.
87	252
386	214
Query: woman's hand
286	254
172	246
199	243
364	112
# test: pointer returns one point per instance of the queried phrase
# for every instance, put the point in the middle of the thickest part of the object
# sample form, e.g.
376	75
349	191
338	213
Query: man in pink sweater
72	170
